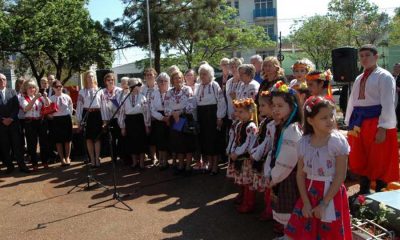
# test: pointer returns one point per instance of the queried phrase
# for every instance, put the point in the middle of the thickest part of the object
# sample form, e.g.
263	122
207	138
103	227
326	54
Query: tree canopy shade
199	29
53	35
394	34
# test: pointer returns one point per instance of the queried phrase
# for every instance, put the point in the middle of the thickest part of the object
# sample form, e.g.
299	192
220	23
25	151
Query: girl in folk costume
300	70
88	105
272	72
302	92
246	133
32	102
160	121
260	150
134	121
109	105
249	87
319	84
149	87
322	211
179	108
280	167
230	171
371	119
211	109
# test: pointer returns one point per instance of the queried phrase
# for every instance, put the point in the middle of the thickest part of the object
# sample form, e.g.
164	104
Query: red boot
239	198
248	201
266	215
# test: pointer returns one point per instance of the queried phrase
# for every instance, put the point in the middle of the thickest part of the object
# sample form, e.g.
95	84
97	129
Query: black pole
280	55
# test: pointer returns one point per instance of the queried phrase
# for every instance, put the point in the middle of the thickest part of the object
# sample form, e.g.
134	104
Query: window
263	4
269	29
236	5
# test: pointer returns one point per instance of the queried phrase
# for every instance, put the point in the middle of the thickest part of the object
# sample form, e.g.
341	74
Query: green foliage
199	29
317	36
394	34
54	35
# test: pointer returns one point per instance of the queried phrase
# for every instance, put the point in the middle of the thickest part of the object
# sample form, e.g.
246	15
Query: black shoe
24	169
10	169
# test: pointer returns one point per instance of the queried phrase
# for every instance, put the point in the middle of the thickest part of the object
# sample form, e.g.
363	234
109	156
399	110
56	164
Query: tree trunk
157	55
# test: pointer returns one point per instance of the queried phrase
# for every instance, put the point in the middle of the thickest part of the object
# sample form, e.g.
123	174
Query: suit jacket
11	108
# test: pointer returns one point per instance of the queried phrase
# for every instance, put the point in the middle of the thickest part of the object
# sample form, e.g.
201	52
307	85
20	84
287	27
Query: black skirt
207	117
61	129
153	135
93	125
179	142
160	135
287	194
136	137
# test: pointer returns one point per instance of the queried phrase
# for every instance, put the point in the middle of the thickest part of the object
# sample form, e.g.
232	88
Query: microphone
135	85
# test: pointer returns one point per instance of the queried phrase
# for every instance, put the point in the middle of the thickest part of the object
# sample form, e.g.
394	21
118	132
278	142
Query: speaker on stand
345	70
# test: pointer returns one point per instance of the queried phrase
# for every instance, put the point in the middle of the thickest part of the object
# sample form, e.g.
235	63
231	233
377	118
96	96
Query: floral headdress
282	87
249	104
265	93
311	102
324	76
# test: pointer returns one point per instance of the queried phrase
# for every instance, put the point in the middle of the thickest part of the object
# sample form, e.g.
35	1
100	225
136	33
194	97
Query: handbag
52	108
191	127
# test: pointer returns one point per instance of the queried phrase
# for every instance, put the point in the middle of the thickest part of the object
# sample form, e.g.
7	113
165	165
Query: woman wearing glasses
61	123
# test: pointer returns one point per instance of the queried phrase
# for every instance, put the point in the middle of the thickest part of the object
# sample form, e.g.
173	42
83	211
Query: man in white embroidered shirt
372	124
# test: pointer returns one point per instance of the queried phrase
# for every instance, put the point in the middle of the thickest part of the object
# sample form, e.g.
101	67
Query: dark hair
314	104
110	74
315	72
369	47
190	70
291	99
265	98
56	82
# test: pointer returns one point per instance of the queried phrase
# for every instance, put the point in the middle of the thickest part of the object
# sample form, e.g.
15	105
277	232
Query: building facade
262	13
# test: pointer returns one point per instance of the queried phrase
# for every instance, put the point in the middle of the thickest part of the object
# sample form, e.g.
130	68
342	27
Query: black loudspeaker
344	64
100	73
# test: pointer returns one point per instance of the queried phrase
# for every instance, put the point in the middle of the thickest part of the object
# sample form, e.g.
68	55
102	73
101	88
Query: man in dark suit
10	140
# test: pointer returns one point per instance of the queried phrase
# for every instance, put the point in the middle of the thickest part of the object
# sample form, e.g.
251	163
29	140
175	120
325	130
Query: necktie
1	97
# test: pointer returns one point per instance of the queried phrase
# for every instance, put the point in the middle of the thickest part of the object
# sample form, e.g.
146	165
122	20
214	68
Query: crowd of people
280	138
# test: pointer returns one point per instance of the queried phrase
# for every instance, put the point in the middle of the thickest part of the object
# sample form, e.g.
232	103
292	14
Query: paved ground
38	206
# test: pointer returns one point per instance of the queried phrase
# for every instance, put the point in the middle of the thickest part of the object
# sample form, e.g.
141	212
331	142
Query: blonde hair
224	61
236	61
85	75
44	79
29	83
279	70
174	74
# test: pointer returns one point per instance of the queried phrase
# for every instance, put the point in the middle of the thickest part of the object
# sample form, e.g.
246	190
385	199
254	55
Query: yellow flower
284	88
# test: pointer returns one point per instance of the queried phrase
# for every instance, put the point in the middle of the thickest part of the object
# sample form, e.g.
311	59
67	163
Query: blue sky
287	12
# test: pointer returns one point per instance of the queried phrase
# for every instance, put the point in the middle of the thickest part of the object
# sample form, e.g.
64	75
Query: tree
394	34
54	35
362	21
317	36
199	29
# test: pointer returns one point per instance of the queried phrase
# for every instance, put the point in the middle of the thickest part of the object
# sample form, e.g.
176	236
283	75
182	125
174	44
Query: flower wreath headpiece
324	76
282	87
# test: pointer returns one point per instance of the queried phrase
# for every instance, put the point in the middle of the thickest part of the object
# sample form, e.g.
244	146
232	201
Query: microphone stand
116	195
88	165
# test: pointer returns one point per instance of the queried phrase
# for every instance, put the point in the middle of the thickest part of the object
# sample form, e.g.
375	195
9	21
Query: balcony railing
264	12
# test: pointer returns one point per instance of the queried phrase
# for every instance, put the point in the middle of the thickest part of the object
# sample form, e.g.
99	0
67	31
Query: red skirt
303	228
375	161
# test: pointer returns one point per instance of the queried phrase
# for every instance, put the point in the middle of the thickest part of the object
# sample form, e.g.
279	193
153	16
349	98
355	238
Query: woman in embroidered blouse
32	103
211	109
160	122
232	88
134	121
88	106
190	79
149	87
61	123
179	107
248	87
109	105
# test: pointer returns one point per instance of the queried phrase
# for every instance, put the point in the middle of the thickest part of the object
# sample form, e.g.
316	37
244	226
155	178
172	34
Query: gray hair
237	61
256	57
207	68
224	61
125	79
3	76
248	69
134	81
163	76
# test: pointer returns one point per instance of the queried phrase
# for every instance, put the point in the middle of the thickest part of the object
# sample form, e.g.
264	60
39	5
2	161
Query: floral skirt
300	227
244	176
259	182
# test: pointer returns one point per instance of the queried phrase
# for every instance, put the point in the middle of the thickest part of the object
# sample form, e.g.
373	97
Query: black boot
379	185
365	185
